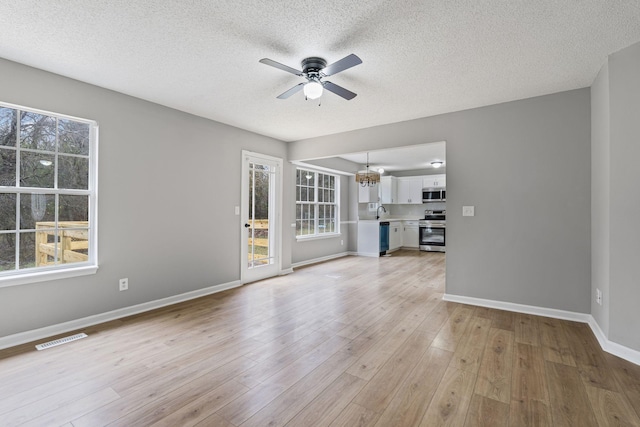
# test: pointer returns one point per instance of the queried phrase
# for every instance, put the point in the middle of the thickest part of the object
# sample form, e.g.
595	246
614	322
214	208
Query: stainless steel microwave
434	195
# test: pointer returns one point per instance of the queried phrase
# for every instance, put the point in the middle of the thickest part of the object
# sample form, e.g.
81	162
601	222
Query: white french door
261	206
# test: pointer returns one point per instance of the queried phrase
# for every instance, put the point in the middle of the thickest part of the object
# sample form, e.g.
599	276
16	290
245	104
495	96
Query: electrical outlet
468	211
124	284
599	296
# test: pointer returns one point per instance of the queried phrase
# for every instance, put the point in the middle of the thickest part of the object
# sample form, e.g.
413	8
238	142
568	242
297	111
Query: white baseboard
321	259
520	308
285	271
616	349
60	328
369	254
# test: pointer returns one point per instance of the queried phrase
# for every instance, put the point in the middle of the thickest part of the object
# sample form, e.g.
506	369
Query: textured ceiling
420	58
413	157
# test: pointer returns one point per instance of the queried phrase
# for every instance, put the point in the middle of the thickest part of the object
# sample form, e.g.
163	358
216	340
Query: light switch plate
237	210
468	211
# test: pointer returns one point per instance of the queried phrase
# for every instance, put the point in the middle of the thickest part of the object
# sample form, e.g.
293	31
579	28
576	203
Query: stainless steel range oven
433	230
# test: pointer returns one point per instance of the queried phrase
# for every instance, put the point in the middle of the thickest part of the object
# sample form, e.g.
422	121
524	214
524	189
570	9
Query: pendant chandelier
368	178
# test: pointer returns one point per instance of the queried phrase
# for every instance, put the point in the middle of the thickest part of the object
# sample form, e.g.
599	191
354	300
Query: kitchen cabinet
410	238
395	235
369	238
410	190
388	190
367	194
434	181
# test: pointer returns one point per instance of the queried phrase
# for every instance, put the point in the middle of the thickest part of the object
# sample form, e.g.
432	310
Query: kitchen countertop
390	219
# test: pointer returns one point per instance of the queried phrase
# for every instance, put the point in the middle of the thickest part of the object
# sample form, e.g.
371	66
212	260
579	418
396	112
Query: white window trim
22	277
318	236
316	204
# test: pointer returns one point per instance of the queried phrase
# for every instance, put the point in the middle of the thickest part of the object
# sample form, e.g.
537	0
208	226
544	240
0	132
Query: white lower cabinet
410	238
395	235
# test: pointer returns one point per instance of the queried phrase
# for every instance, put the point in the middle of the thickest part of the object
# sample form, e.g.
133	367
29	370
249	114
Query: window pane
36	170
73	245
7	167
7	252
37	132
309	178
73	208
28	251
7	211
8	126
73	172
37	209
315	202
312	195
73	137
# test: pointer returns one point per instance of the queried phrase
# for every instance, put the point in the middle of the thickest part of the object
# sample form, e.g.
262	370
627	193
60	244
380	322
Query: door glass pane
261	216
250	223
259	247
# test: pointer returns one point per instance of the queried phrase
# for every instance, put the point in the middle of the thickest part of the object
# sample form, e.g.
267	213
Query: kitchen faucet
378	211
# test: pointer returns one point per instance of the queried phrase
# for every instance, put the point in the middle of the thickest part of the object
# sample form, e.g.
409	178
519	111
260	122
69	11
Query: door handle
247	226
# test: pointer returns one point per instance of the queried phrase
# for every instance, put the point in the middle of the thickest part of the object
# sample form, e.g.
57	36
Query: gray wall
600	184
624	288
168	184
529	242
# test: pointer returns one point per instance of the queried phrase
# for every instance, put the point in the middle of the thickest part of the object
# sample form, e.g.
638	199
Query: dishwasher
384	237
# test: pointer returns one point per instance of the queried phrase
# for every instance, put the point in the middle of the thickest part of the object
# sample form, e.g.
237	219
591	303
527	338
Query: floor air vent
60	341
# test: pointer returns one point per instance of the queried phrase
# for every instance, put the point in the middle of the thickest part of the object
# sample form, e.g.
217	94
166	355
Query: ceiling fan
315	69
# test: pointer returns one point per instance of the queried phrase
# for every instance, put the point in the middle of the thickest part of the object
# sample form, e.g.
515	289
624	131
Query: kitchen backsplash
400	211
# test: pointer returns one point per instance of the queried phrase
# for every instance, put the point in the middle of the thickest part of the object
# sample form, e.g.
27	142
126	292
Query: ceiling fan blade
296	88
280	66
341	65
339	90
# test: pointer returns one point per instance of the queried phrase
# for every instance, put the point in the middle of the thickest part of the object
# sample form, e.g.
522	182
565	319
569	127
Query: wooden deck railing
72	236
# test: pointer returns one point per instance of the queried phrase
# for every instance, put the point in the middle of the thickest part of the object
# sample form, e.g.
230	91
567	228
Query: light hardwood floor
350	342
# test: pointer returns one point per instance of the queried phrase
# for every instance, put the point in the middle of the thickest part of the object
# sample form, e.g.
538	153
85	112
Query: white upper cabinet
367	194
434	181
388	190
410	190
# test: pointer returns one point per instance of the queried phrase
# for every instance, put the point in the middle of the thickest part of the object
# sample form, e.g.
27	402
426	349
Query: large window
47	194
317	207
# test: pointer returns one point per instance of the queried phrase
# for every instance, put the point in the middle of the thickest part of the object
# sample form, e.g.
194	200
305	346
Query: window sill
318	237
43	276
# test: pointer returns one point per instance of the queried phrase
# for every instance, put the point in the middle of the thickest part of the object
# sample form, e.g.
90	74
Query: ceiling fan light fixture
313	89
437	164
